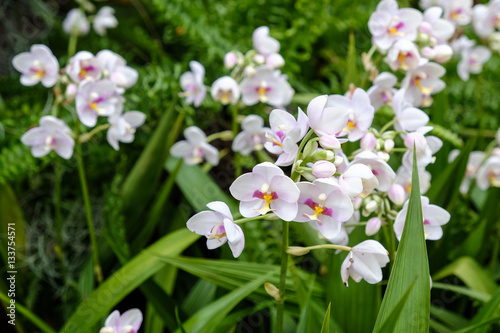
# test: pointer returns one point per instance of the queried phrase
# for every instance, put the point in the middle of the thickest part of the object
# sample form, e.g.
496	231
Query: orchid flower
457	11
485	18
267	86
404	55
434	217
473	164
115	68
123	127
195	148
96	98
226	90
358	179
266	189
389	23
104	19
84	65
408	118
253	136
437	29
326	120
424	146
422	82
286	132
489	173
472	61
52	134
359	110
365	261
403	178
192	84
129	322
382	90
268	47
382	171
76	23
38	65
218	227
324	203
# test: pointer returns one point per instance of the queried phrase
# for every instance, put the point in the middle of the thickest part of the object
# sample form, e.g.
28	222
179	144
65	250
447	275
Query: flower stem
88	210
298	250
386	126
282	286
87	136
271	216
73	38
59	249
235	119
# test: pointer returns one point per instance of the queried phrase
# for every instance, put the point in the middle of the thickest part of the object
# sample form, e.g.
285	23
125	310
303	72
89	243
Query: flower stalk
282	286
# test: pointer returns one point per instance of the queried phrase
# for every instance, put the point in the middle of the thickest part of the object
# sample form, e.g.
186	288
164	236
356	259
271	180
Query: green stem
235	119
59	249
392	240
88	209
386	126
72	44
306	250
224	135
271	216
301	147
282	286
87	136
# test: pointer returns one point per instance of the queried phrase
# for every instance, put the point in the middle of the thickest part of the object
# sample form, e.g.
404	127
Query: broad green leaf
471	273
489	312
26	313
200	295
164	305
122	282
325	328
303	98
11	216
474	294
390	323
359	300
199	188
142	180
451	319
235	318
208	318
352	67
309	319
411	266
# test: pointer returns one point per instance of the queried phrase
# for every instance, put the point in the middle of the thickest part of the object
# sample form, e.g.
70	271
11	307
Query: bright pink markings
280	135
260	195
426	222
375	172
321	210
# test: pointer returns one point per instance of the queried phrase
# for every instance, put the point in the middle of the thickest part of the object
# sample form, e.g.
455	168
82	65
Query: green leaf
487	314
309	318
126	279
474	294
325	328
142	180
11	224
28	314
352	68
198	188
390	323
200	295
207	319
453	320
471	273
411	266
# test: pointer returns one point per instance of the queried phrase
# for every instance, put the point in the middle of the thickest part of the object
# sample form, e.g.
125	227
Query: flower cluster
78	24
95	83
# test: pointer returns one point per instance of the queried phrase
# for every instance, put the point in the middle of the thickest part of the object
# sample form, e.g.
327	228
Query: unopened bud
425	28
275	60
383	156
388	145
272	290
373	226
323	169
259	59
416	139
368	141
249	71
428	53
371	206
329	142
497	137
70	92
107	329
443	53
323	154
338	160
297	250
230	60
397	194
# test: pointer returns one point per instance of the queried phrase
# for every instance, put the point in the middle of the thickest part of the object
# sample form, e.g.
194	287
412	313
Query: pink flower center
395	29
427	222
268	197
318	210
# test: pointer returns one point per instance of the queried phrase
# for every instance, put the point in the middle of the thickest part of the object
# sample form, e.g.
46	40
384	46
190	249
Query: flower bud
383	156
323	154
323	169
371	206
272	290
373	226
496	152
428	53
249	71
357	203
497	137
368	141
329	142
259	59
397	194
425	28
443	53
388	145
338	160
417	139
230	60
70	92
275	60
297	250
